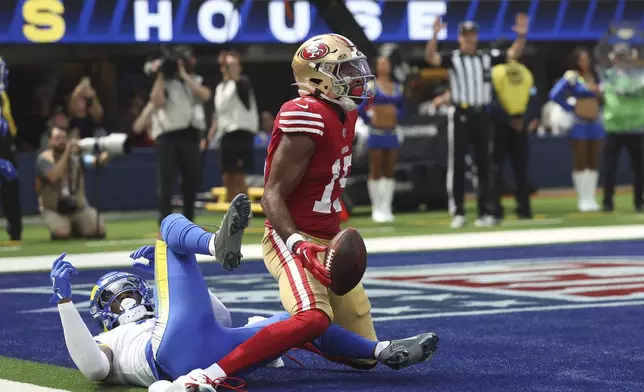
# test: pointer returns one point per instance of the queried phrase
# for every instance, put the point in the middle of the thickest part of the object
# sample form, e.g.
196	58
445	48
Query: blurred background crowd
190	88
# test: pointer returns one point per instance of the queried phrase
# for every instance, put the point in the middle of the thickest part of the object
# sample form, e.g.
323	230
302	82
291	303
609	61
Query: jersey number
324	205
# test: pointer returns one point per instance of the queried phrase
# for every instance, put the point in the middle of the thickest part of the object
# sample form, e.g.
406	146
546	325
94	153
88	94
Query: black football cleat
406	352
228	239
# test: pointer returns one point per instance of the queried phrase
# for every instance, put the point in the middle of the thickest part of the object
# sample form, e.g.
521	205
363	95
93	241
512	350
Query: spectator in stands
578	92
10	189
178	123
515	113
382	116
237	121
61	190
137	121
85	110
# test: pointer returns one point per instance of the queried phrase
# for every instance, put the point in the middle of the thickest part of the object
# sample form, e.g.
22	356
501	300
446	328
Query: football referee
471	91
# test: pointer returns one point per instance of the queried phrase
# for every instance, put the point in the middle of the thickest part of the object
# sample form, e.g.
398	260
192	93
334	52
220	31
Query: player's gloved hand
307	253
7	170
146	252
61	278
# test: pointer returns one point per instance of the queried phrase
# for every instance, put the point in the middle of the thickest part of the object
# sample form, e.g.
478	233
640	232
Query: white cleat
485	221
195	381
457	222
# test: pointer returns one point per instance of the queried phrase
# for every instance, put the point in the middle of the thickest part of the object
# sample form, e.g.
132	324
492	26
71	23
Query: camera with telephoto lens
169	61
114	144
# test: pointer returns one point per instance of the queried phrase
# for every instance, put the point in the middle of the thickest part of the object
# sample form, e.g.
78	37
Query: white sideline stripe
517	310
13	386
491	239
303	114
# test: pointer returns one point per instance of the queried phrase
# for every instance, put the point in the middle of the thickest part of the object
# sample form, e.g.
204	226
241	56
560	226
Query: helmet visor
356	79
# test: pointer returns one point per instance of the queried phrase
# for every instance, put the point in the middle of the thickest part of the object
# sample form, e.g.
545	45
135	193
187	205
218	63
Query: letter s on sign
44	22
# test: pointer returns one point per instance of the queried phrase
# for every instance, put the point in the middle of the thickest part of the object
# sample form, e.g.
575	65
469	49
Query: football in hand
346	260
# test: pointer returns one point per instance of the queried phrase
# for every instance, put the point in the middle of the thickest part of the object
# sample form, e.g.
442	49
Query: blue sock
337	341
184	237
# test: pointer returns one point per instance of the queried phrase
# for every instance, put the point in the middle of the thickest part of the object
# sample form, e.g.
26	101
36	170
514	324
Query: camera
114	144
170	61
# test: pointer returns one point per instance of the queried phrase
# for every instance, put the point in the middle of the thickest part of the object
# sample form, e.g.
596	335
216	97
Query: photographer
85	110
177	127
238	121
61	189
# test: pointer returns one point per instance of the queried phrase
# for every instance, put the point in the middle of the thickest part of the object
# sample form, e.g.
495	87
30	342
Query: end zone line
14	386
517	310
488	239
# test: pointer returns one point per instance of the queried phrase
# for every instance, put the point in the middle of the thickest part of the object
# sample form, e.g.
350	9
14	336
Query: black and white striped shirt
470	75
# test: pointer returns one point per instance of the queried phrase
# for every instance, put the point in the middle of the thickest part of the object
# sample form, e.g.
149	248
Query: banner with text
266	21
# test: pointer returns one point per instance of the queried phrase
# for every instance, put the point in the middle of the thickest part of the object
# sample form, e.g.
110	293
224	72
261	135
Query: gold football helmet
331	67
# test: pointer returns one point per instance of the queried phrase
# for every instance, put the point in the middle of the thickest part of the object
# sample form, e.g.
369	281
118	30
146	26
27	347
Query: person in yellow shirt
10	190
515	114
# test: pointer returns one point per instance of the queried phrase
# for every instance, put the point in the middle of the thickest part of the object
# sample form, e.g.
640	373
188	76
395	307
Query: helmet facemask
351	82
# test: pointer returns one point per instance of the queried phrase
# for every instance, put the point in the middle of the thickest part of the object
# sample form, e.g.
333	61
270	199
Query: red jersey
314	204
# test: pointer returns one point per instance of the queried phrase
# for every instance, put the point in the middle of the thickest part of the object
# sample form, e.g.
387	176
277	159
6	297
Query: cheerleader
381	116
578	92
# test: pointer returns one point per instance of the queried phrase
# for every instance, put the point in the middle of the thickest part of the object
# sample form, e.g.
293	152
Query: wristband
292	240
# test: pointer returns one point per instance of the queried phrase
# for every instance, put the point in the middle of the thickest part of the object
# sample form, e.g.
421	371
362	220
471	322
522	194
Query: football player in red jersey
309	158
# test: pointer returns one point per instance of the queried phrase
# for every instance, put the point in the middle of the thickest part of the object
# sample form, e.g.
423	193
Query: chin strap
345	103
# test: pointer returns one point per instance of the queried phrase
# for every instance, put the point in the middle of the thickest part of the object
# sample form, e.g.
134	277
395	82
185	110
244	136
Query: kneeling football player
308	161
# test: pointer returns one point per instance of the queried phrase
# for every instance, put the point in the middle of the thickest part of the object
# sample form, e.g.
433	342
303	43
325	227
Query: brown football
346	260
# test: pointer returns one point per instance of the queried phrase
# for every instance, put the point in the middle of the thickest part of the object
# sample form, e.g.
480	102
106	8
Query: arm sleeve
87	357
222	314
558	94
244	90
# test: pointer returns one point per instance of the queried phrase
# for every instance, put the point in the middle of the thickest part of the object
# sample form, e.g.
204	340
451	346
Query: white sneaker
195	381
485	221
457	222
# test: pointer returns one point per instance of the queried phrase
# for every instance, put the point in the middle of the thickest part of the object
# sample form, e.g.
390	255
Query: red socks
276	339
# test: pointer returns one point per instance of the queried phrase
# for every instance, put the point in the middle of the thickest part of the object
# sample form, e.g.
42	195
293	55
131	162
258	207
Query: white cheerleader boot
578	179
388	187
375	194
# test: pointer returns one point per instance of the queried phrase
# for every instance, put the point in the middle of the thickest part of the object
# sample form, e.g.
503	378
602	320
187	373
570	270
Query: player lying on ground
308	161
141	343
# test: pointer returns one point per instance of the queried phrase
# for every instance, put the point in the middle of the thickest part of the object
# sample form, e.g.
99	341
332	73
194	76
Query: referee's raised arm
431	52
520	27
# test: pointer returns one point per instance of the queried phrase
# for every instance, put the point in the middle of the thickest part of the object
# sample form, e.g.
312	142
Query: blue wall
129	182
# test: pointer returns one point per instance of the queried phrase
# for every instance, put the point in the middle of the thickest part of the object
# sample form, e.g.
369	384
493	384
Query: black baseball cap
468	26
